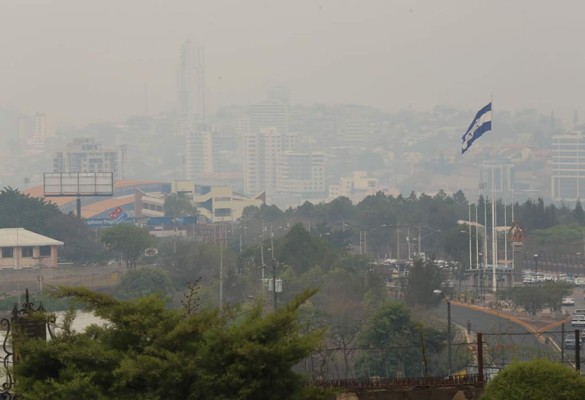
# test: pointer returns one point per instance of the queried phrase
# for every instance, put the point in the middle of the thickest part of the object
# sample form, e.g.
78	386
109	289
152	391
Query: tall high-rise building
261	154
192	96
267	139
85	155
271	114
568	167
198	153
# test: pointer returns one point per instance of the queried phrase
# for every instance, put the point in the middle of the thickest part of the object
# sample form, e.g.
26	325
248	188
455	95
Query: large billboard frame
78	184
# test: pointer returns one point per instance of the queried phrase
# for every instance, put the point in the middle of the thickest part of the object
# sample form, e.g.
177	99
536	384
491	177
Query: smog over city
302	199
394	84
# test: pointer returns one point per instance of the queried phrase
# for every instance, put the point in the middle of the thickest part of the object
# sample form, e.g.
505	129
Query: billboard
57	184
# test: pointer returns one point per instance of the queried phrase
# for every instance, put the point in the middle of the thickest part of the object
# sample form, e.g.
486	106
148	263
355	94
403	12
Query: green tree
143	282
129	241
146	351
423	278
299	250
532	298
392	343
40	216
536	380
578	213
178	205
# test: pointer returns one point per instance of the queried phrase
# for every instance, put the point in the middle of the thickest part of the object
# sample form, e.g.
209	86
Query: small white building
21	248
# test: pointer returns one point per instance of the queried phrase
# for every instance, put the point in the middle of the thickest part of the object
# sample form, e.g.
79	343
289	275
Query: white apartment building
301	173
262	152
198	153
269	114
568	167
85	155
355	187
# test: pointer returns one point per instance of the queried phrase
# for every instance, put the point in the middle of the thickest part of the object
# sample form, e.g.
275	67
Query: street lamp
449	344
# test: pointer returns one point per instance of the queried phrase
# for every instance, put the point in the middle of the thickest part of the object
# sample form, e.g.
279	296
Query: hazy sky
83	61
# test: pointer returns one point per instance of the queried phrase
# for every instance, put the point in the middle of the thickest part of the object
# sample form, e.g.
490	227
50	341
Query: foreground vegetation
147	351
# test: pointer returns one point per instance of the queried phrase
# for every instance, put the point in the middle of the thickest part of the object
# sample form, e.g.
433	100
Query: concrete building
198	153
191	88
262	152
568	167
301	173
271	114
215	203
355	187
86	155
21	248
267	140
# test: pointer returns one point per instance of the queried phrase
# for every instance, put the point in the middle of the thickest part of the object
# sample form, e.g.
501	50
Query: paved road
505	340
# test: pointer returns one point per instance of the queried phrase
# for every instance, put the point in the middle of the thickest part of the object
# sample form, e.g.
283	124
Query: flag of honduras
480	124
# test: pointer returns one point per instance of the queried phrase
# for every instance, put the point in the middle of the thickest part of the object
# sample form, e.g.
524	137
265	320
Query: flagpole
494	233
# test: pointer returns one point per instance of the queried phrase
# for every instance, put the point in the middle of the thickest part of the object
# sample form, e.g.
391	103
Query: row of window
25	252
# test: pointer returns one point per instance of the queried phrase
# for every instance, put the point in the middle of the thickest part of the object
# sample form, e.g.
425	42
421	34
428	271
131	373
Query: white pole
469	227
506	235
221	267
476	239
485	242
419	239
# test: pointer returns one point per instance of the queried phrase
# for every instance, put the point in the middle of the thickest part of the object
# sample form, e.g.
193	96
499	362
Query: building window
27	251
45	251
7	252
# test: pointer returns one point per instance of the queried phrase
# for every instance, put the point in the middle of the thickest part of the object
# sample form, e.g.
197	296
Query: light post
449	344
536	266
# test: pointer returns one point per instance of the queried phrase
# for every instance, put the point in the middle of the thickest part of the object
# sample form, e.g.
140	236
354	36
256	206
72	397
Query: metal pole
220	267
449	336
563	343
577	351
274	281
480	356
470	227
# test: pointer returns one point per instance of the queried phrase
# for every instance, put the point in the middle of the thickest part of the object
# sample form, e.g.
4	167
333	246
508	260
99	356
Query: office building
85	155
301	173
191	82
568	167
198	153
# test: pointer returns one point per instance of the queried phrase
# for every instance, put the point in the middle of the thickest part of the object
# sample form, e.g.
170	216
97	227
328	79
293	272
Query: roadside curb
538	333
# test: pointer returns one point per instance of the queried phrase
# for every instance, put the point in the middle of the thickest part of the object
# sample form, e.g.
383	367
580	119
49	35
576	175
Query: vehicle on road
568	301
570	342
578	321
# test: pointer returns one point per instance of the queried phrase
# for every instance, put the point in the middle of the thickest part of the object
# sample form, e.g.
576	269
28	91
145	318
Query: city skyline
80	62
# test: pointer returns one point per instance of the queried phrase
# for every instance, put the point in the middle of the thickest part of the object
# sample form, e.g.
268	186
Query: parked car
570	342
580	311
568	301
578	321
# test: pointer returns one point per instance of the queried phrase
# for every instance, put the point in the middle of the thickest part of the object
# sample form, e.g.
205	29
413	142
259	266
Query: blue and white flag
480	124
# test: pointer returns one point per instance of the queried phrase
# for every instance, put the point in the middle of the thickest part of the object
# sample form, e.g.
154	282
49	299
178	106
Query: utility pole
274	281
221	267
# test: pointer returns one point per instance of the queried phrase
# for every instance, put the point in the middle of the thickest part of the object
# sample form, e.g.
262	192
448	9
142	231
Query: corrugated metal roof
11	237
